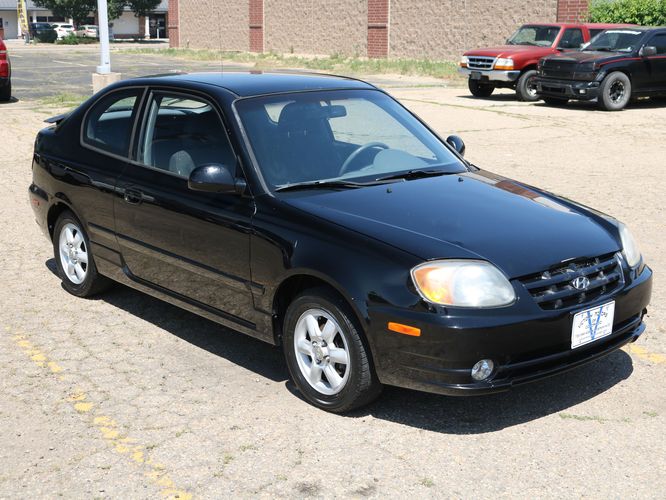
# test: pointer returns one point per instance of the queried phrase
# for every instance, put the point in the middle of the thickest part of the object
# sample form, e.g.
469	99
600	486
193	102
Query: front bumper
568	89
523	349
490	75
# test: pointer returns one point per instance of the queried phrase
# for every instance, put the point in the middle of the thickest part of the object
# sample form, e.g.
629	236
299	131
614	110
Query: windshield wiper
322	185
414	174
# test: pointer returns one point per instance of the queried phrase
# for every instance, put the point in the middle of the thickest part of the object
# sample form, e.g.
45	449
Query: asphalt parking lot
125	395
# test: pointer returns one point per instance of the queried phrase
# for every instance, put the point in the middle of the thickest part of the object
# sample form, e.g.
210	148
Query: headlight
629	246
504	63
463	283
463	61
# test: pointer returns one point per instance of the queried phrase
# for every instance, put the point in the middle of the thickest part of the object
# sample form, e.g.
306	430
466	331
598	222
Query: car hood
511	50
585	56
474	215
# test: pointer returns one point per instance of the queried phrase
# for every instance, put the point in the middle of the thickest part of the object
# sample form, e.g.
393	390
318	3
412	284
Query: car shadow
432	412
12	100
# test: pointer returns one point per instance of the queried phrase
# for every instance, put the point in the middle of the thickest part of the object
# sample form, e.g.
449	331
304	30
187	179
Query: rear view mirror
647	51
213	178
457	143
335	111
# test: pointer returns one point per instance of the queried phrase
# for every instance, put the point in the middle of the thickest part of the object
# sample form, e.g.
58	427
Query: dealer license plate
475	75
592	324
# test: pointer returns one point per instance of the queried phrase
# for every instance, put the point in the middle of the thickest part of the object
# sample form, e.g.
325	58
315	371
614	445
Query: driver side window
571	39
181	133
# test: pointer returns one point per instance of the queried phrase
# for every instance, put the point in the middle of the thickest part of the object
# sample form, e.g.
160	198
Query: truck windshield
614	41
541	36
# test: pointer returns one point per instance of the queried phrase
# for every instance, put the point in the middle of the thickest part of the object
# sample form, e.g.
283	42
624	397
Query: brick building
440	29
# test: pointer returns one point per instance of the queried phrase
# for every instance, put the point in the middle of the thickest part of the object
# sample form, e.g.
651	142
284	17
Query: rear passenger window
108	124
572	39
182	133
659	41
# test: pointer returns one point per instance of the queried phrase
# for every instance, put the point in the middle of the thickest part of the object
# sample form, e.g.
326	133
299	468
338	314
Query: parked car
615	66
38	29
318	213
63	29
87	31
5	73
514	65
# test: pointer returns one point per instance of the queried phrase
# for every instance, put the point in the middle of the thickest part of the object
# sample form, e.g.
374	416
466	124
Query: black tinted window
182	133
108	124
659	41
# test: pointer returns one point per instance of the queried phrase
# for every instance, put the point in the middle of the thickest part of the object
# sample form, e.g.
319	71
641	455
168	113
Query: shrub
70	39
643	12
49	36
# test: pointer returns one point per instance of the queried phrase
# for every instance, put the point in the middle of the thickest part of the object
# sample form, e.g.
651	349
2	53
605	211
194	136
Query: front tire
6	92
326	354
614	92
479	89
526	86
74	258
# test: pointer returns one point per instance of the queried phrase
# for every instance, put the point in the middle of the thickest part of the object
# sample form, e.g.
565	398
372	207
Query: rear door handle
133	196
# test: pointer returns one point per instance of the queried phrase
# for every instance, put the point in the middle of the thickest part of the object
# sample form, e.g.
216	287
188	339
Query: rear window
108	124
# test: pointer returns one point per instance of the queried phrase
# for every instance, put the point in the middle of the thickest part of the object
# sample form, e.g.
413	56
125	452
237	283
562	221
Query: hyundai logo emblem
581	283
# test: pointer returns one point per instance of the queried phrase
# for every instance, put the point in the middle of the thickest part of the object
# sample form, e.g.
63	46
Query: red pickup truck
5	74
514	65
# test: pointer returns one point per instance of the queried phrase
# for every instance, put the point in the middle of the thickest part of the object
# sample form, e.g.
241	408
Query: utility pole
103	76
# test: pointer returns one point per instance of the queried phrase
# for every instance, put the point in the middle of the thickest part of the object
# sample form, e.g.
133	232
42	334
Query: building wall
127	24
214	24
445	29
316	26
9	23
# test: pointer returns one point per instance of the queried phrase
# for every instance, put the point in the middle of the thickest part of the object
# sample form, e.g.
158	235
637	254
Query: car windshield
615	41
541	36
343	136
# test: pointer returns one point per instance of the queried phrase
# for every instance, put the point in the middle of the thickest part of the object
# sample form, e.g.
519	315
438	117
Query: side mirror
457	143
647	51
214	178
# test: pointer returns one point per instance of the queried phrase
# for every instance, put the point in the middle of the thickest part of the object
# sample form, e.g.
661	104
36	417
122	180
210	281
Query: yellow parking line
643	353
107	427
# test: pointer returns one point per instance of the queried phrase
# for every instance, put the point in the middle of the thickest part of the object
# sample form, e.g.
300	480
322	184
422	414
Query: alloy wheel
73	253
322	351
616	92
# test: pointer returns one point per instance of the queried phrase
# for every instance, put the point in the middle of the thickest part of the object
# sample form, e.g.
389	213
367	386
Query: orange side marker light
404	329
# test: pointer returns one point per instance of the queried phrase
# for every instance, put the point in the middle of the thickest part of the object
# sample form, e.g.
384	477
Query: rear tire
479	89
555	101
6	92
614	92
326	353
74	258
526	86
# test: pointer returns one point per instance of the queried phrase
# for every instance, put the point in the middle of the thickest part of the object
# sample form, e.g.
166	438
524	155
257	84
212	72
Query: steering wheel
345	166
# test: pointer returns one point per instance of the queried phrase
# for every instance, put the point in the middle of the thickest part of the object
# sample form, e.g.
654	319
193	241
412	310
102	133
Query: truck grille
553	289
479	62
560	70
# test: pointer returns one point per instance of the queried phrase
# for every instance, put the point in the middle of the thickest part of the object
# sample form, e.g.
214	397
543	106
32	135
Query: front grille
553	289
558	69
480	62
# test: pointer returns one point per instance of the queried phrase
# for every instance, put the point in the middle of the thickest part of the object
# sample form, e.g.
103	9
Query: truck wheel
6	92
526	89
555	101
615	92
479	89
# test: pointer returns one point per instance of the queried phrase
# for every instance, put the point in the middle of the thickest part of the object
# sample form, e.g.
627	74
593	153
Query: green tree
78	10
643	12
142	7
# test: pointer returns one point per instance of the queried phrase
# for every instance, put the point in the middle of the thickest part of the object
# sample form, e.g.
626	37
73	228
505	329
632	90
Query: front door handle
133	196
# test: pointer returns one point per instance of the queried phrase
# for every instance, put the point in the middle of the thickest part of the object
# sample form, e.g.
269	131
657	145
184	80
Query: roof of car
253	83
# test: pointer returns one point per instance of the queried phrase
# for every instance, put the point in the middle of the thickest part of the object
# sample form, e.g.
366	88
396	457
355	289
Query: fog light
582	91
482	369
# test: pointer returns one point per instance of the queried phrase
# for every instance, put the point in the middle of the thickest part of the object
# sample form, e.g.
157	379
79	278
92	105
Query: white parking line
70	63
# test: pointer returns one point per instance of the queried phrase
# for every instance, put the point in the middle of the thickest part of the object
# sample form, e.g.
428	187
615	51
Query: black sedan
318	213
614	67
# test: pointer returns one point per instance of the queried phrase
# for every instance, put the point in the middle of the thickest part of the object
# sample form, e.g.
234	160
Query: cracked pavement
124	395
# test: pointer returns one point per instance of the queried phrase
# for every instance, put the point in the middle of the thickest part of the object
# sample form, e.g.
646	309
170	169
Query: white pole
105	56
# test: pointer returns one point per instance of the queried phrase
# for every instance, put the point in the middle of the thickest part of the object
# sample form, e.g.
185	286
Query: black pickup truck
614	67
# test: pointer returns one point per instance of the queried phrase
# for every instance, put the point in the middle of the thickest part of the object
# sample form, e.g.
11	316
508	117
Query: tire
70	247
555	101
353	384
526	86
6	92
479	89
614	92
